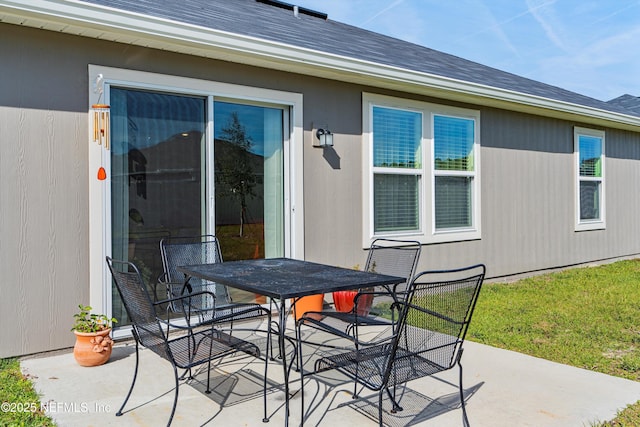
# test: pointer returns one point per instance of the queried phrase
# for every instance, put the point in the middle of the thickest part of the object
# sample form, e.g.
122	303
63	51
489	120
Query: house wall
527	180
528	192
43	193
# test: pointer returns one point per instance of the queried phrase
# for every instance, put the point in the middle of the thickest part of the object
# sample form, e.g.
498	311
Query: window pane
395	202
453	143
453	202
589	200
590	155
396	138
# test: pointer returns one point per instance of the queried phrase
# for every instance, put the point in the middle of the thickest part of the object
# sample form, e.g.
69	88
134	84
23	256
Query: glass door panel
249	182
157	186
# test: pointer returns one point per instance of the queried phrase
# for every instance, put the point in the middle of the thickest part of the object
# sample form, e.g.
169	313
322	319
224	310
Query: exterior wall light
325	138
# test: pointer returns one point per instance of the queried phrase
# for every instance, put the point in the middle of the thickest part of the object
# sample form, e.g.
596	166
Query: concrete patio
502	388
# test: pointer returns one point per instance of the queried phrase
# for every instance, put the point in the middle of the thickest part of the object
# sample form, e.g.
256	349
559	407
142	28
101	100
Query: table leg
282	329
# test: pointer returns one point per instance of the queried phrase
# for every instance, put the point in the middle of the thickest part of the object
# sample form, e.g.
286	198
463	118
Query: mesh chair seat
192	350
370	364
352	318
238	311
409	365
345	324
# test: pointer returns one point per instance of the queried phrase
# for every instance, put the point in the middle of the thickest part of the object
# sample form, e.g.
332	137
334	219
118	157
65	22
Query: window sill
589	226
450	236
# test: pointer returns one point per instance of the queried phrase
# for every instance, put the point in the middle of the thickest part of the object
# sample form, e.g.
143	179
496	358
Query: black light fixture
325	138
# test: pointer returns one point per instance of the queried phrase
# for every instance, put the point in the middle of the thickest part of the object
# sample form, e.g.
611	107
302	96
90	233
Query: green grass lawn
20	403
585	317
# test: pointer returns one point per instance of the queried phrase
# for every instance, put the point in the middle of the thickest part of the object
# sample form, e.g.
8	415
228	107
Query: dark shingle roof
629	102
264	21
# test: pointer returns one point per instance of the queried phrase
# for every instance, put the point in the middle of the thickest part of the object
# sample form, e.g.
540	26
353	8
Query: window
589	154
421	167
397	136
454	170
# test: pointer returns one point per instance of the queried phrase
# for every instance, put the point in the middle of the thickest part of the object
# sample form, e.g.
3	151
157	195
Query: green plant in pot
93	344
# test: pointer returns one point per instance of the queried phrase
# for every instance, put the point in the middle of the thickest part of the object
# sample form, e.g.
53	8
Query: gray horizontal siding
527	180
528	198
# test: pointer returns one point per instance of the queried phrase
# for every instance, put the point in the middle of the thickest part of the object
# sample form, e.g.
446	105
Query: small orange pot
92	348
308	303
344	301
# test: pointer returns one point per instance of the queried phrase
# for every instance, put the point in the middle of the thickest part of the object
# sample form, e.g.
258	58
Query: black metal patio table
282	279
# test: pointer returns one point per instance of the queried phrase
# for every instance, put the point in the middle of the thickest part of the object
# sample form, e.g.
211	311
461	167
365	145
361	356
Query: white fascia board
128	27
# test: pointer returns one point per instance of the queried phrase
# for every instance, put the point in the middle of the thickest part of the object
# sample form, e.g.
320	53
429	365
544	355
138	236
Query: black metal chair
386	256
432	325
183	346
178	251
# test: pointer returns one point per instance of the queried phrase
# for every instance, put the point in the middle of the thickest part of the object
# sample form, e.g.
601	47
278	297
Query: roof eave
111	24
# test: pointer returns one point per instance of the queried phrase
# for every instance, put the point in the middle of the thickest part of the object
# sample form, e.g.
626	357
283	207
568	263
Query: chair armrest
346	334
162	278
186	296
434	314
183	285
185	301
390	293
360	294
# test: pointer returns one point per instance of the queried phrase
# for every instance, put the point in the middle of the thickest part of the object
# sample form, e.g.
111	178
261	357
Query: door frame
100	80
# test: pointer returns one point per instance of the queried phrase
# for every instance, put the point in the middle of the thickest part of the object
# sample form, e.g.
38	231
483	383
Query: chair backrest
434	321
394	258
135	297
178	251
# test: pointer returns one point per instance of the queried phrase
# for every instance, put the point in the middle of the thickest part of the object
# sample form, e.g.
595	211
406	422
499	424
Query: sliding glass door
171	177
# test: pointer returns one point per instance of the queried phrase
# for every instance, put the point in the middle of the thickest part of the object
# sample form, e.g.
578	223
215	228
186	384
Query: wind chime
101	126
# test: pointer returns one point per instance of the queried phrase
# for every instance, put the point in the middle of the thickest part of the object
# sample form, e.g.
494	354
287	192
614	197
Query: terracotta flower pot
92	348
308	303
344	300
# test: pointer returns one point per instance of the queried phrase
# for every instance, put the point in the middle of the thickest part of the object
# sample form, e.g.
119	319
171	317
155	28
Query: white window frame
427	232
99	191
592	224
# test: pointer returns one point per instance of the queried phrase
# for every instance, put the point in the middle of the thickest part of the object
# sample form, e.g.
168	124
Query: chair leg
395	406
301	370
380	408
355	380
465	420
208	390
135	375
274	324
175	398
264	385
266	367
269	326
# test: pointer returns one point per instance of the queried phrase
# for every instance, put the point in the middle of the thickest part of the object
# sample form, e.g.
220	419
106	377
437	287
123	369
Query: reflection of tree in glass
236	174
